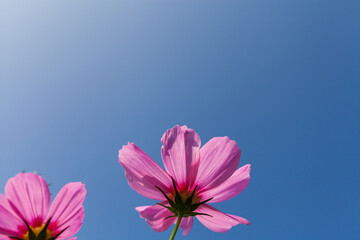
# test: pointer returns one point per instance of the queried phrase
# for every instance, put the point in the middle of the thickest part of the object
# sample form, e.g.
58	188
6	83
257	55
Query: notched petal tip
240	220
247	167
221	222
130	145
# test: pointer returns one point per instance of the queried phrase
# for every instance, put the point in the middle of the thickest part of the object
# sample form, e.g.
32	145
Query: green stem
176	228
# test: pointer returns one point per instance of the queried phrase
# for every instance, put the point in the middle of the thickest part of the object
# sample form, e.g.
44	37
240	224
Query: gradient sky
81	78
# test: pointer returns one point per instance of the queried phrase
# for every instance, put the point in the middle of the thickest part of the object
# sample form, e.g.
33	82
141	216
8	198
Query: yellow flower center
185	195
36	231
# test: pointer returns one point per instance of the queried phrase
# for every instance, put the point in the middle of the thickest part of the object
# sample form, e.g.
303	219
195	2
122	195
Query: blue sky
79	79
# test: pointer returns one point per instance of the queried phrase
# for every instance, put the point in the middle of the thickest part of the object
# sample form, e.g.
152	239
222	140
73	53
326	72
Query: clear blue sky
80	78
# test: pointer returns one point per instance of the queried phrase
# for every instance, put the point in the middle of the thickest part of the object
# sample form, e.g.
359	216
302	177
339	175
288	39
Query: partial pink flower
194	176
26	214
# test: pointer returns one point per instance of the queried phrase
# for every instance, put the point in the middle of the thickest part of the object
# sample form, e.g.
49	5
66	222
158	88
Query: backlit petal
186	225
9	220
155	216
219	222
231	187
67	209
180	154
30	195
143	173
219	159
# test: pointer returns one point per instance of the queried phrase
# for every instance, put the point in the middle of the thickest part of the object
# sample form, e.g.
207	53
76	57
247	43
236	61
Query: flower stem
176	228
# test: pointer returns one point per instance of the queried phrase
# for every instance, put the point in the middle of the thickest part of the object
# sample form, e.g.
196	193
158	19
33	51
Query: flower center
183	203
40	232
37	231
185	195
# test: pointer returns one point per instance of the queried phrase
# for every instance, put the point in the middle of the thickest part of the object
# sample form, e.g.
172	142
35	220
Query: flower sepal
180	207
42	235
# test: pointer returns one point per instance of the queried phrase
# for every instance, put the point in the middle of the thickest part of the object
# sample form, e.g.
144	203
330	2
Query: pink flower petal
155	216
231	187
240	219
9	220
30	195
219	159
180	154
219	222
4	237
143	173
186	225
67	209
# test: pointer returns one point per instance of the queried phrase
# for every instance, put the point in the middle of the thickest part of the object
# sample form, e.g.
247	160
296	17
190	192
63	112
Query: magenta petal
9	220
180	154
240	219
186	225
155	216
143	173
219	222
30	195
231	187
67	209
219	159
4	237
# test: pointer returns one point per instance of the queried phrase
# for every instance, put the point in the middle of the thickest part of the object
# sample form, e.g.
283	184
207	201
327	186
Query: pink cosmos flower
194	176
26	214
